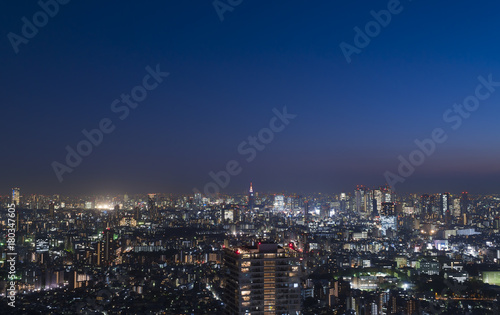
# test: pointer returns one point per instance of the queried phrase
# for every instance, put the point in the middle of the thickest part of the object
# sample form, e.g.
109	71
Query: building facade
262	280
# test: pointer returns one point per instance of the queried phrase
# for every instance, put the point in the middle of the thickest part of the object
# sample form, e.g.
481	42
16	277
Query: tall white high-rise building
279	203
377	195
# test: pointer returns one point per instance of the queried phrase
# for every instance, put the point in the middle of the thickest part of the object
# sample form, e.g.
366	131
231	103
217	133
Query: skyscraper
152	208
262	279
444	204
374	208
51	210
378	196
279	203
137	213
306	210
388	217
105	248
16	196
464	203
363	199
251	201
425	205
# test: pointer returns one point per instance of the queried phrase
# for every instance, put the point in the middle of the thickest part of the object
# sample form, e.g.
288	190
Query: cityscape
367	251
250	157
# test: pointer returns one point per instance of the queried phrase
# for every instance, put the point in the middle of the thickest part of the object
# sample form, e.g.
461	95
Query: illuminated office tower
444	204
279	203
456	207
343	201
388	209
262	280
108	244
378	196
359	199
388	218
105	248
16	196
387	194
251	198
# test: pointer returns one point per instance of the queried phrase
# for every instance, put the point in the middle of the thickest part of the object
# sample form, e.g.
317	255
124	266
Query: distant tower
108	244
445	204
425	204
378	197
279	203
251	201
362	199
152	208
137	213
388	218
197	199
51	210
105	248
374	208
16	196
359	196
464	203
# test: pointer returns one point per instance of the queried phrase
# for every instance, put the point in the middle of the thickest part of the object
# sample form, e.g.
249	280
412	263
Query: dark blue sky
353	119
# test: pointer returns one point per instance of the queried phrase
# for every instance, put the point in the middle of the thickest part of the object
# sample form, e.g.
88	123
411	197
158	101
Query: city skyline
250	157
350	192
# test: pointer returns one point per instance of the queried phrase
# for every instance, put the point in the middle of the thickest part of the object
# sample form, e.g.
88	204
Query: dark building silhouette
51	210
464	203
152	206
137	213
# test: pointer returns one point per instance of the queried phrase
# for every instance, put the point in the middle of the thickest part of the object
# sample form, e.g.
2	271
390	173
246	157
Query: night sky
225	78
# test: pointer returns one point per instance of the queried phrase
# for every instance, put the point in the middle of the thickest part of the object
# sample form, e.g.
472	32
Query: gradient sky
353	120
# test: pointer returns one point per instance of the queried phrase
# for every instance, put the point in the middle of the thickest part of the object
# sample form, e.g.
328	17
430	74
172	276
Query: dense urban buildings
250	157
286	254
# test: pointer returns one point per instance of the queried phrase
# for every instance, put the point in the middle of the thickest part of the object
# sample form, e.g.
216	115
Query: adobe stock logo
30	28
249	149
372	29
95	137
453	116
222	7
